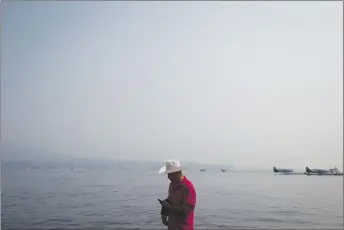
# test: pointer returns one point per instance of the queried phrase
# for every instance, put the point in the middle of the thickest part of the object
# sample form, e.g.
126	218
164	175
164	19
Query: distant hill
18	157
99	163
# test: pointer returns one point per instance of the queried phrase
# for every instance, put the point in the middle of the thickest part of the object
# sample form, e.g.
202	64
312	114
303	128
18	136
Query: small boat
223	170
323	172
203	169
283	171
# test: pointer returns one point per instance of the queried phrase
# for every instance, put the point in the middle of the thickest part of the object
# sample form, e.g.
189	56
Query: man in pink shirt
178	209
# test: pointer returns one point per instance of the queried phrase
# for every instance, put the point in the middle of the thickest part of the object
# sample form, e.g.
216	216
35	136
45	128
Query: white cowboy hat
170	166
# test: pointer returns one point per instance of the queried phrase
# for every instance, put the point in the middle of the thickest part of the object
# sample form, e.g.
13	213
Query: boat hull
325	174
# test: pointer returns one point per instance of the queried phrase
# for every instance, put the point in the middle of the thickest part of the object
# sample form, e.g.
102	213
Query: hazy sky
244	83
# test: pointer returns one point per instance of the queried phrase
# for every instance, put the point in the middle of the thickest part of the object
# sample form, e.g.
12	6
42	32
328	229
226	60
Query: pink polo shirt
182	193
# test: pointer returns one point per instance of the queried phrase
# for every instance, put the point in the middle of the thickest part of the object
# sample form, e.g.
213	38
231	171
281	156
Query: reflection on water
123	199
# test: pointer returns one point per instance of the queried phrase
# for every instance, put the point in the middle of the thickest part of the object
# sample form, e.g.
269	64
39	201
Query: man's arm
187	205
164	210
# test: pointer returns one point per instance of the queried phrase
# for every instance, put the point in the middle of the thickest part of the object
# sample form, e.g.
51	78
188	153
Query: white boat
284	171
329	172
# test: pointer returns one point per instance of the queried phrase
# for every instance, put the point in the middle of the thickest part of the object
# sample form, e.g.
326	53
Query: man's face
173	177
170	176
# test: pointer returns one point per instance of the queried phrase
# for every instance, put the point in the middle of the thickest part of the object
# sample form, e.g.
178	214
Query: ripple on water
237	202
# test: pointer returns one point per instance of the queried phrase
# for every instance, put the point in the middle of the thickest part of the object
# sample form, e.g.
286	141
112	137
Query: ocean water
126	198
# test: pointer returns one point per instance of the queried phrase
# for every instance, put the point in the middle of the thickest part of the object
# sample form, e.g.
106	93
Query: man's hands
164	220
165	204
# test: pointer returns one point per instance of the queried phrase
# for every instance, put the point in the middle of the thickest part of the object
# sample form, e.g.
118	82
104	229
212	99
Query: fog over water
248	84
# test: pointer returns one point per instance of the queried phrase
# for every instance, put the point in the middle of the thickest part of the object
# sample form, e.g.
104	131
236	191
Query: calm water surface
127	199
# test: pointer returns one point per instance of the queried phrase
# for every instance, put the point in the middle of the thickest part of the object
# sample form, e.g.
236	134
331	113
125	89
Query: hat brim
172	170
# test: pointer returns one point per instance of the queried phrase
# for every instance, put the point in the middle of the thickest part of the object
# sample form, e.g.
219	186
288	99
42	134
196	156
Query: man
178	209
